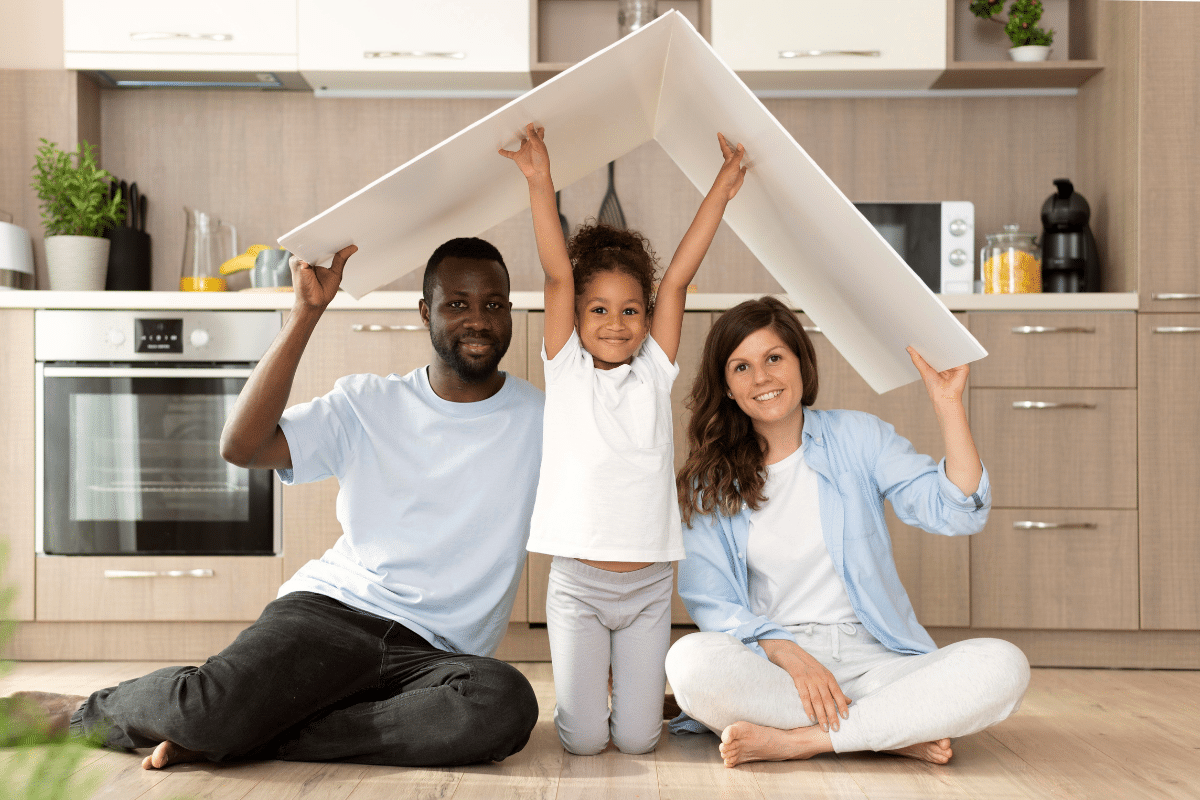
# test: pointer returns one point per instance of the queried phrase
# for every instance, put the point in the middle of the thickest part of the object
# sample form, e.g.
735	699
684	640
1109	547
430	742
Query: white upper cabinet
153	34
382	45
848	44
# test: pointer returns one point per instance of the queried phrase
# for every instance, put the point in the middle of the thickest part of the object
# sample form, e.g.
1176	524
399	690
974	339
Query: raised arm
252	436
534	161
963	467
672	289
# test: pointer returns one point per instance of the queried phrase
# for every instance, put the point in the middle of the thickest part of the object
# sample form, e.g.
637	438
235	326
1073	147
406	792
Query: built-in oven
130	407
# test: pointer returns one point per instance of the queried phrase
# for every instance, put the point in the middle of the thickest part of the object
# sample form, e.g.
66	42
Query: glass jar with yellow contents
1012	262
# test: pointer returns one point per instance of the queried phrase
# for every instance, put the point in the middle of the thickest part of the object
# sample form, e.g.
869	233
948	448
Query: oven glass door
131	464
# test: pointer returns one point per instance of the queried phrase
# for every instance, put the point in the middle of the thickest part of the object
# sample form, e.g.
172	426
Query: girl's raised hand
532	157
943	387
732	173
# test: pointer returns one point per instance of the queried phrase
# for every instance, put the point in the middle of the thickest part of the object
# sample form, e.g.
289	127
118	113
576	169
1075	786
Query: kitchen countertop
407	301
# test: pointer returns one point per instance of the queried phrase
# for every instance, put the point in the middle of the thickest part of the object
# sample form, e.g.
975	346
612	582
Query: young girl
605	505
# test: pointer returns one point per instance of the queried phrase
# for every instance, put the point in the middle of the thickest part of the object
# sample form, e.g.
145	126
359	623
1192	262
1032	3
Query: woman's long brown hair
724	467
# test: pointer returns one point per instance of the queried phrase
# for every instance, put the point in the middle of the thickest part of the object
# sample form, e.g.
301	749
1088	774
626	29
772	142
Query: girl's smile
610	315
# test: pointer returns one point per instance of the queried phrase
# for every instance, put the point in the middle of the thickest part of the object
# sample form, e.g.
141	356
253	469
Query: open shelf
1017	74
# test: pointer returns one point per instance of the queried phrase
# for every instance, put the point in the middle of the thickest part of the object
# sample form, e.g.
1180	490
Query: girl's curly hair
603	248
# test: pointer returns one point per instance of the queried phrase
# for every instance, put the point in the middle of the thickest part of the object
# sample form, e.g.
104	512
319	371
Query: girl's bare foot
168	753
743	741
938	752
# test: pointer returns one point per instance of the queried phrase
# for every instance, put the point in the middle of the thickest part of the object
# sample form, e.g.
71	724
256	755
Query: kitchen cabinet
365	45
1168	204
350	342
1169	470
1054	415
777	44
217	35
935	570
691	345
16	461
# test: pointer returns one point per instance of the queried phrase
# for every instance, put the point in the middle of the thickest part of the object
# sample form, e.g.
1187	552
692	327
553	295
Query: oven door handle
144	372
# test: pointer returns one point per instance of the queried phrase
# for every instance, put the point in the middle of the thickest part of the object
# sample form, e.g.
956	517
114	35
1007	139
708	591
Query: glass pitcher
207	244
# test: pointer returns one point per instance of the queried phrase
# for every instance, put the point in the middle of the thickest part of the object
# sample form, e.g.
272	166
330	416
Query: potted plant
1029	41
77	207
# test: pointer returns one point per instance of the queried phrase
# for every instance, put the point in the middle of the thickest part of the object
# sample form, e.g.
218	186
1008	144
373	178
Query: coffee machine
1070	262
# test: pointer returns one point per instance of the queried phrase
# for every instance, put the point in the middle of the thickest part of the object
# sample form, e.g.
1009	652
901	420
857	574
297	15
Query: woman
809	643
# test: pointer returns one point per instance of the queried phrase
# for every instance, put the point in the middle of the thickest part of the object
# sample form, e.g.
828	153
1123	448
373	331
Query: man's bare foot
743	741
41	715
938	752
168	753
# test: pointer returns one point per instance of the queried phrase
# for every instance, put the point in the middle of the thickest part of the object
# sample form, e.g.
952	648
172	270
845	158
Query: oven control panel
119	335
158	335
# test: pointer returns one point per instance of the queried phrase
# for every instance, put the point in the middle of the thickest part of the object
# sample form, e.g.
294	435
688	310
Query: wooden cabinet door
935	570
17	488
1059	569
1059	349
1169	171
1169	470
691	345
1058	448
345	343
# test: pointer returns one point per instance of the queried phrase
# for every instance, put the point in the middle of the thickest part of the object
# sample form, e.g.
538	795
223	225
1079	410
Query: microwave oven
936	240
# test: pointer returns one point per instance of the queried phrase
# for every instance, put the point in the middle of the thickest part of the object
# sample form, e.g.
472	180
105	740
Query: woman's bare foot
938	752
43	714
168	753
743	741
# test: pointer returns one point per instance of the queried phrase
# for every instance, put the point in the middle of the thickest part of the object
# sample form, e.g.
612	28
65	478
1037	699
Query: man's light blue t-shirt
434	501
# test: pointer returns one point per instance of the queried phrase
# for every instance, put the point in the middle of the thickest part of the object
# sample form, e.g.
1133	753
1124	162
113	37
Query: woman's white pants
897	699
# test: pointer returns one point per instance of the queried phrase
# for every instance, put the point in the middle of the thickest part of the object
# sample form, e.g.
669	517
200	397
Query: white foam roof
663	82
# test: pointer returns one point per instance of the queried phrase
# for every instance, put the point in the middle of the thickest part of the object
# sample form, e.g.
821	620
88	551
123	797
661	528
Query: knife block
128	260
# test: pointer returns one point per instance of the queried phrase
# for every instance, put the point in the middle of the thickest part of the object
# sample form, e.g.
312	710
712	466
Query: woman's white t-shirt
792	580
607	485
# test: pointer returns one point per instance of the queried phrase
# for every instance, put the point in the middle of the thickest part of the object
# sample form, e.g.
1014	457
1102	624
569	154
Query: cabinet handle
819	53
359	328
164	573
414	54
1174	296
1027	525
1177	329
144	36
1045	329
811	329
1038	404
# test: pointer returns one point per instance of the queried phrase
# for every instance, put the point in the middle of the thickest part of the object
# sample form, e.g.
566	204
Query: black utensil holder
128	261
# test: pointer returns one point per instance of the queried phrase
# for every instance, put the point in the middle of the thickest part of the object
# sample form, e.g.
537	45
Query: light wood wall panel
1108	115
268	161
57	105
16	461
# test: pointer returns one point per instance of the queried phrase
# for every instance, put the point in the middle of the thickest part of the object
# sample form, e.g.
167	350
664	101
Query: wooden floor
1093	734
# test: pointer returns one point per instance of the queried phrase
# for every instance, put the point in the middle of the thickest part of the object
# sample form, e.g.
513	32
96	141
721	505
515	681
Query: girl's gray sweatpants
896	699
598	618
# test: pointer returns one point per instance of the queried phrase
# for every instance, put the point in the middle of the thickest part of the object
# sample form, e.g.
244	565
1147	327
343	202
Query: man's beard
469	370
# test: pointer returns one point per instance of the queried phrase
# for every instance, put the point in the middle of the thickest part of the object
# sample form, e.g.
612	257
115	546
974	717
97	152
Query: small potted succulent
1029	41
78	205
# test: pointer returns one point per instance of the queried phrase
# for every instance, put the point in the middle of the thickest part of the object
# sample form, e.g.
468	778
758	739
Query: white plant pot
77	263
1029	52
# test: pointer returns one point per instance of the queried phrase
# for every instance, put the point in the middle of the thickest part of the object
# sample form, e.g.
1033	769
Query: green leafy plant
74	192
1022	23
41	768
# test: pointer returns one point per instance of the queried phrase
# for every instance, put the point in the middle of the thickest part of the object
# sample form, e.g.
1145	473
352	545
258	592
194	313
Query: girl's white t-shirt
607	485
792	579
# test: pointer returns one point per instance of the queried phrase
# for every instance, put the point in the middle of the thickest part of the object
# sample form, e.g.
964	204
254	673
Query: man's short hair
469	247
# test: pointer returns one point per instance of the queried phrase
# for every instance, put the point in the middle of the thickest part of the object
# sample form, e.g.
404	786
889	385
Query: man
377	652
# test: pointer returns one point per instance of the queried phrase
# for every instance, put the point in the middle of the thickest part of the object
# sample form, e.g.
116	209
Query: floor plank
689	767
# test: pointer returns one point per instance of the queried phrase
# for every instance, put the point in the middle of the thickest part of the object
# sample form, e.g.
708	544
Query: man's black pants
315	680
